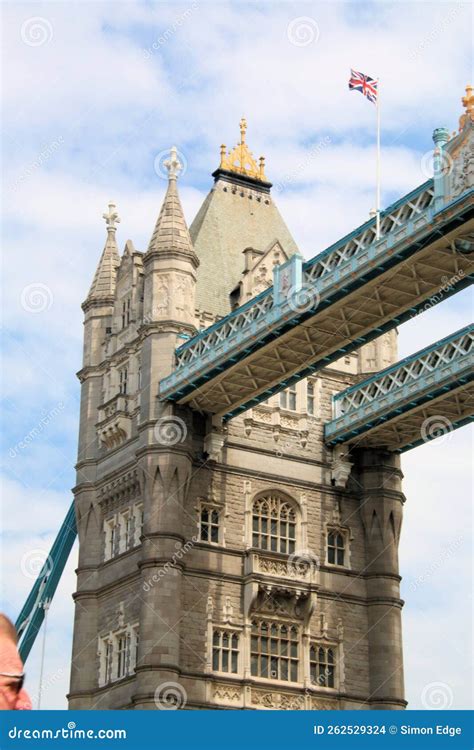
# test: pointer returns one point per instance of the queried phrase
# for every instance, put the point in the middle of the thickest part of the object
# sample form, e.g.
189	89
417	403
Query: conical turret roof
103	285
171	231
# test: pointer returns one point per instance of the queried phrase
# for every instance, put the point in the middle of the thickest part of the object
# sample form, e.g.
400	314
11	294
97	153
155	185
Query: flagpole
377	188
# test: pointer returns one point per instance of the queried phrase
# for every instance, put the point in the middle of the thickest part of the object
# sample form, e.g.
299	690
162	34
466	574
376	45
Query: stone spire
103	285
171	232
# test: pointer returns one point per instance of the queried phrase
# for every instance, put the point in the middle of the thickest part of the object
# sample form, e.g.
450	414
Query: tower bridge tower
237	566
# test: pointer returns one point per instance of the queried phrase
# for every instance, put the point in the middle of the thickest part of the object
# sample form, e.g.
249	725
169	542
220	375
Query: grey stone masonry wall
160	595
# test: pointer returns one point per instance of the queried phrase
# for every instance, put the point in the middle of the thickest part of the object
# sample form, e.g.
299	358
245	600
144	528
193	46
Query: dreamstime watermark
70	732
36	297
302	299
324	678
170	696
312	154
181	551
436	32
41	159
169	32
436	163
302	31
170	431
36	31
437	427
437	696
436	564
33	562
159	163
36	431
448	286
302	562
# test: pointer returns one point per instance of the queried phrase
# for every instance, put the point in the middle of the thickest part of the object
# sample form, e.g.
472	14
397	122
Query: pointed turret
103	286
169	267
129	248
170	262
171	234
98	315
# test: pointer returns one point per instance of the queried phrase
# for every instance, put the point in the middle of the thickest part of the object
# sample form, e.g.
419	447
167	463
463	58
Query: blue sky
93	93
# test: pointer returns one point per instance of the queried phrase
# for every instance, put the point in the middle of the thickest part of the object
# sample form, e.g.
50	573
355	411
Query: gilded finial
243	129
223	156
241	160
112	217
468	104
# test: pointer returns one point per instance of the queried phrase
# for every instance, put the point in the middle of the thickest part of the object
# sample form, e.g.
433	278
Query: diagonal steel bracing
317	311
411	402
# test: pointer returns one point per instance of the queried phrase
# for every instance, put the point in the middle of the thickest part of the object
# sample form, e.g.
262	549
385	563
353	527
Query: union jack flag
365	84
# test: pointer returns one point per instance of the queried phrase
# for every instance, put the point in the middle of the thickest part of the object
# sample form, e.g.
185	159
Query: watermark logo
170	696
436	31
436	427
300	168
170	31
36	431
181	551
170	431
302	562
32	563
437	696
36	298
162	157
302	31
436	564
36	31
45	154
303	298
448	286
436	163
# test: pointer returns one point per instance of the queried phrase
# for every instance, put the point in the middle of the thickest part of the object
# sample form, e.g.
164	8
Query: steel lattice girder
415	400
32	614
262	348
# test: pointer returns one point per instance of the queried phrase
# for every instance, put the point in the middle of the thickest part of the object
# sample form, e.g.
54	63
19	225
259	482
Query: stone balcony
280	422
115	421
298	568
288	582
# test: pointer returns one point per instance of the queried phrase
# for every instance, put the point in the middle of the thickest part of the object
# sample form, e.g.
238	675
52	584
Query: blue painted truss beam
264	321
430	375
31	617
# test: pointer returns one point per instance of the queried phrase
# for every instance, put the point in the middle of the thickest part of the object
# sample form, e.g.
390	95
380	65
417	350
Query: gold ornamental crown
241	160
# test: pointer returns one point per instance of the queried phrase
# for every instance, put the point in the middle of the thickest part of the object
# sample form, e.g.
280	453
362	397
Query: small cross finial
173	164
243	129
112	217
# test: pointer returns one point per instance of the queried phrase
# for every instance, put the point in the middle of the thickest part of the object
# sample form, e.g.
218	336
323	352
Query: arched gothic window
273	524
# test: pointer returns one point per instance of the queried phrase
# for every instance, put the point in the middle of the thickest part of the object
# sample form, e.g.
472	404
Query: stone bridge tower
237	566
